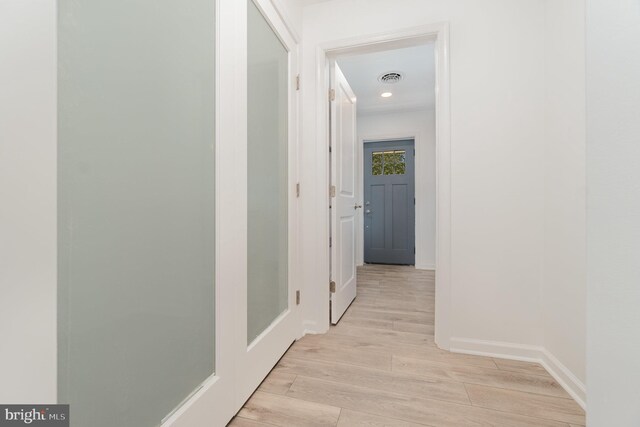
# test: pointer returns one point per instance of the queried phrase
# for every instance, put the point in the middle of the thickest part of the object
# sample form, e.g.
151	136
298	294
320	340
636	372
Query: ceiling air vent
390	78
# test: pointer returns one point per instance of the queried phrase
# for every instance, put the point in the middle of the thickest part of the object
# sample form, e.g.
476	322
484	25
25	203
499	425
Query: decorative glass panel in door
136	207
267	147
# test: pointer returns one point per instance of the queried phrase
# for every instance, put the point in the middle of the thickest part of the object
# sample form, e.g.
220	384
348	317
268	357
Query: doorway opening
348	143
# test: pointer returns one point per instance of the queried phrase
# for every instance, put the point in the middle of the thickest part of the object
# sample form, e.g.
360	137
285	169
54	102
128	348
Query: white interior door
268	315
344	204
146	300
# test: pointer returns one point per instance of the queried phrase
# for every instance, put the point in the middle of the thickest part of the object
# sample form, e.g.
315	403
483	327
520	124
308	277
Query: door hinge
297	297
298	190
330	242
332	95
332	287
329	148
332	191
298	82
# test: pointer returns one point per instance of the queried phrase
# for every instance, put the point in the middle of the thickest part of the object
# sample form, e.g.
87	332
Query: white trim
567	379
499	349
275	17
525	353
378	42
286	19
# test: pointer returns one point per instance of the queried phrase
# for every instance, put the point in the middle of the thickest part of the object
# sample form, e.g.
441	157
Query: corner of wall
526	353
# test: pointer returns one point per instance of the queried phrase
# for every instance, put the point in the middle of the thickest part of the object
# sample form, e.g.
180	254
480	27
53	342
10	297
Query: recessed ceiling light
386	94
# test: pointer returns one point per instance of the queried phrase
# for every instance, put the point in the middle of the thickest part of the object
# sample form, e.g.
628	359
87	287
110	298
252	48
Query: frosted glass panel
136	207
267	175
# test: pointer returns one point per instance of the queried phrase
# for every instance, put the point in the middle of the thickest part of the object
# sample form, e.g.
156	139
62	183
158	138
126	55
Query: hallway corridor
380	367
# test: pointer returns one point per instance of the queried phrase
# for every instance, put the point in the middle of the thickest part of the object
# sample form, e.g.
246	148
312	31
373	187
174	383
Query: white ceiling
310	2
415	91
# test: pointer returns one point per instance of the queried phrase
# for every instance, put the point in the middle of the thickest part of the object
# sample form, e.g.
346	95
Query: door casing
438	33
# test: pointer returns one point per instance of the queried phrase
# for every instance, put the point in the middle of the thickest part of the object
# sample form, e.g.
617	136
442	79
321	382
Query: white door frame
385	41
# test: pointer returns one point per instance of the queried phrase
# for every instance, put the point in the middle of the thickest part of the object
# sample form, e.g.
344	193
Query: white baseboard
425	267
565	378
313	328
526	353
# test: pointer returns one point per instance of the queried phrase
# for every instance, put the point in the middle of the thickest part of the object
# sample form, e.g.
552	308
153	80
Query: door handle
368	211
357	206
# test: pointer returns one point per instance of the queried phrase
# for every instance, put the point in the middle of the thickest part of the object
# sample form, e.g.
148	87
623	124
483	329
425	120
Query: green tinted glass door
136	207
267	147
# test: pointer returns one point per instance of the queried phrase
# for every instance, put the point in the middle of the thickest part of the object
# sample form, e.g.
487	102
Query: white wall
497	109
613	213
518	170
503	177
421	125
564	253
28	201
291	12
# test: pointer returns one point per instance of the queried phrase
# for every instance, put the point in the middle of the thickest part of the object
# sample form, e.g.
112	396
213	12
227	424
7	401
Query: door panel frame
214	401
240	368
254	361
439	33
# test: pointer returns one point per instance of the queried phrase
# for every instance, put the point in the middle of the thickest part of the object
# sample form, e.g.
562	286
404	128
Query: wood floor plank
413	327
408	408
286	412
397	306
277	382
479	375
366	323
518	366
377	380
536	405
369	313
349	418
244	422
390	337
325	351
369	346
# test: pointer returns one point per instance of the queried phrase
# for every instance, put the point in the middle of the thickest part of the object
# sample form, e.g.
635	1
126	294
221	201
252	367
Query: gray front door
389	211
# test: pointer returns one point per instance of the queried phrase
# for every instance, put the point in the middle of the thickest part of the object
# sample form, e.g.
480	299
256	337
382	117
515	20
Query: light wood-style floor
380	367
